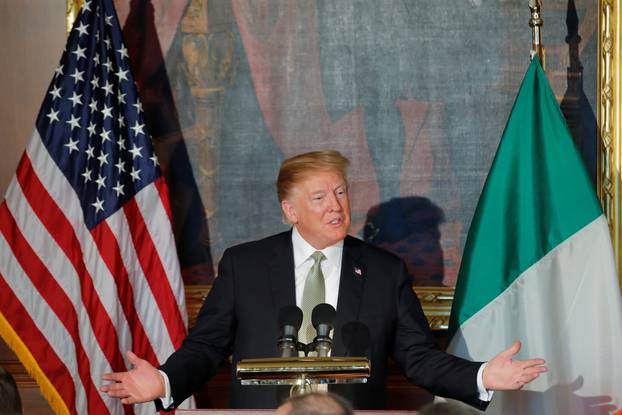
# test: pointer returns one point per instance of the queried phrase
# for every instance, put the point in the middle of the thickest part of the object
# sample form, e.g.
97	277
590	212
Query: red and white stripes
79	298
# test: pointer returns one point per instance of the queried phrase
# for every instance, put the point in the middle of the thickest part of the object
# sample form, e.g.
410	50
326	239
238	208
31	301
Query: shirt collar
303	249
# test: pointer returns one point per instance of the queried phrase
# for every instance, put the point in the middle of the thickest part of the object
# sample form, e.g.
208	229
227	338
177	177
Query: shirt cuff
167	399
484	395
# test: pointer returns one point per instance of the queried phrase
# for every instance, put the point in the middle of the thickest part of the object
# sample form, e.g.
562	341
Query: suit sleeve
417	353
209	342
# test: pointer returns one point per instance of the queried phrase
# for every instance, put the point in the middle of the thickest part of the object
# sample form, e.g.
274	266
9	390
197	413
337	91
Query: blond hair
295	169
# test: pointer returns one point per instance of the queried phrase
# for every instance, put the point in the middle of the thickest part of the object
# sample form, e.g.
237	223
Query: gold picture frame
609	118
436	301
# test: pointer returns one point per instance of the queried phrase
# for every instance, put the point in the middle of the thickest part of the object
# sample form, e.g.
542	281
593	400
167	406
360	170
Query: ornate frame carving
609	118
436	301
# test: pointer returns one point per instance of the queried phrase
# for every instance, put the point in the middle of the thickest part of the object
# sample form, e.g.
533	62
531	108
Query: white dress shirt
331	267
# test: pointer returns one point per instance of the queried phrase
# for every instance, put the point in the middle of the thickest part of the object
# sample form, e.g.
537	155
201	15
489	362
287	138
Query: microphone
290	319
322	317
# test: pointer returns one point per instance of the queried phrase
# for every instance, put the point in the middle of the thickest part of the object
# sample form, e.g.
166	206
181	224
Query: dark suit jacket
378	316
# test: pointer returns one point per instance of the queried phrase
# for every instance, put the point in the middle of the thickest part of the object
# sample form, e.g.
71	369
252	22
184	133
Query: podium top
287	370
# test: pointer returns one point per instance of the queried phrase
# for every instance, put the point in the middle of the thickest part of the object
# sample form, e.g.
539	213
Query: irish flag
538	266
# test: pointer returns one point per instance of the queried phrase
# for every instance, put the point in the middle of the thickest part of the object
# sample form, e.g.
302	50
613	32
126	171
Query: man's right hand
143	383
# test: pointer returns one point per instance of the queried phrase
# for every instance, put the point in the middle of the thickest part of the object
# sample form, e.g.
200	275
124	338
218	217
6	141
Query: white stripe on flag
43	317
160	229
551	307
146	306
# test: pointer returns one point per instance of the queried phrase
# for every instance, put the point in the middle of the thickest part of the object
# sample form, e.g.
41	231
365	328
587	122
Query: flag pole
536	23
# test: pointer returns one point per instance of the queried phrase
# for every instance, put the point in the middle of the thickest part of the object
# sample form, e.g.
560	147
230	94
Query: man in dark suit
378	315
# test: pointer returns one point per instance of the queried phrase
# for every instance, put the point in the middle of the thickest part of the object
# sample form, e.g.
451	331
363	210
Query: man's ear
289	212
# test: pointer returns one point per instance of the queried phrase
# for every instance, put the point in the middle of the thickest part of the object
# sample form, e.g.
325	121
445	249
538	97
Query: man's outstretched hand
504	373
143	383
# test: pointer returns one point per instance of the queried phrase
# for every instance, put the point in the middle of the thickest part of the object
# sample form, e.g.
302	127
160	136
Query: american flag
88	266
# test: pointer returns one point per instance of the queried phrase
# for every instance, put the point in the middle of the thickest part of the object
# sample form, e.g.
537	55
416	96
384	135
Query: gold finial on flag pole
73	8
536	23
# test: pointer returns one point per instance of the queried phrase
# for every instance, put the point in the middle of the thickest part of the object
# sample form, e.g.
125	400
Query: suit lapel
281	273
351	287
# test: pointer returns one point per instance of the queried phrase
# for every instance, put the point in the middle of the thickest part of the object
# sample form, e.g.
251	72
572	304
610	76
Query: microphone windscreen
323	314
290	315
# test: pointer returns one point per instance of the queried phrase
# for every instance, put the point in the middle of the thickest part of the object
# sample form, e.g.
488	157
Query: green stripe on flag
536	195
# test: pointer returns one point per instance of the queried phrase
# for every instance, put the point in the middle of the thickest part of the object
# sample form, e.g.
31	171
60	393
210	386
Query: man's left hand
505	373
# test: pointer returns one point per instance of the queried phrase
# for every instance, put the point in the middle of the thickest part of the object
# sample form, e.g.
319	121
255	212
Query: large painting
415	93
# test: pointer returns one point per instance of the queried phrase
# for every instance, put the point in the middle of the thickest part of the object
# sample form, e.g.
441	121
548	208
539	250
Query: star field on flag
99	121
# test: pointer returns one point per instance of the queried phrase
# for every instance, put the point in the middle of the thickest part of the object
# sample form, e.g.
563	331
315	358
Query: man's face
319	208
